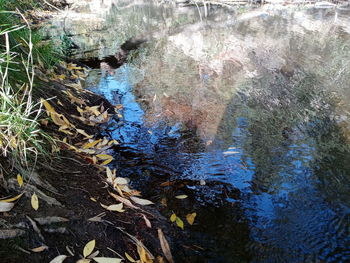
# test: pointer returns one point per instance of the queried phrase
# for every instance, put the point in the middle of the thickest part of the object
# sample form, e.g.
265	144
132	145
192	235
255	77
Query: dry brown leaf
190	218
165	246
148	223
40	249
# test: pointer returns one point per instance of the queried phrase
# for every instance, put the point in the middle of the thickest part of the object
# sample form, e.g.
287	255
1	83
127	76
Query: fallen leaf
165	246
87	136
179	223
39	249
121	180
124	201
91	144
107	161
47	106
107	260
20	180
11	199
141	201
50	220
95	254
59	259
181	196
148	223
89	247
173	218
5	207
129	258
35	201
190	218
116	207
84	260
104	156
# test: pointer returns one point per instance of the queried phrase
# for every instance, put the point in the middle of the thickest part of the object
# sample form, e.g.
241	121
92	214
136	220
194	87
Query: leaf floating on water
107	260
89	247
39	249
230	152
35	202
181	196
59	259
20	180
141	201
130	258
190	218
179	223
173	218
5	207
165	246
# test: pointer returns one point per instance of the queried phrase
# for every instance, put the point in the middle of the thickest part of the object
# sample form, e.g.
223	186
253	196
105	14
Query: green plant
21	139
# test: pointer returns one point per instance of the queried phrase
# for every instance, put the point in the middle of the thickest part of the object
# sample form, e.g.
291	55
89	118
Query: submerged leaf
190	218
35	201
20	180
5	207
179	223
89	247
173	218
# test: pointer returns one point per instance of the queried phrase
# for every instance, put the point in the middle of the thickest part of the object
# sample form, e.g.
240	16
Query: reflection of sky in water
287	214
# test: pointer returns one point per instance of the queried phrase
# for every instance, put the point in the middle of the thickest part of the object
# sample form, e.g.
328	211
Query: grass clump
22	140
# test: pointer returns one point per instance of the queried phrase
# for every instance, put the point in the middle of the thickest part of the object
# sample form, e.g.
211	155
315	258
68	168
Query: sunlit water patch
251	112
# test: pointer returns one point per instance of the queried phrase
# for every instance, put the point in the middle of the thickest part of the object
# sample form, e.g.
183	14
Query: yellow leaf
94	110
89	247
84	133
35	201
129	258
181	196
173	218
91	144
104	156
107	161
12	199
20	180
179	223
190	218
47	106
56	118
